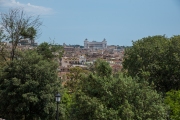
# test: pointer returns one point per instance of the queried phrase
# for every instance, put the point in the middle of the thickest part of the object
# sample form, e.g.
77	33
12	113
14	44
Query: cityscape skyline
119	22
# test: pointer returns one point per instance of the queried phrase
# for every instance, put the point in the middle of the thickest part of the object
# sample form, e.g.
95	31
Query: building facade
95	45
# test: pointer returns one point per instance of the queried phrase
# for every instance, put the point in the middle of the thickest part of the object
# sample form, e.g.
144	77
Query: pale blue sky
118	21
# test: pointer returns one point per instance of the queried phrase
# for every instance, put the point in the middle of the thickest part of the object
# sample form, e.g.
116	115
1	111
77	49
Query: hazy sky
118	21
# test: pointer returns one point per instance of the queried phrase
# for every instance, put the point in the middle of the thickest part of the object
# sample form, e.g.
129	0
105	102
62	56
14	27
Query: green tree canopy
102	68
50	51
120	97
173	100
156	59
27	88
74	75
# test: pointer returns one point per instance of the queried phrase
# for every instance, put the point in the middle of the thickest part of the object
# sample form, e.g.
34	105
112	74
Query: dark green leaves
107	97
156	59
28	86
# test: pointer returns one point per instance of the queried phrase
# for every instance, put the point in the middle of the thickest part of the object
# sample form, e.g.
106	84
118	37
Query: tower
104	43
86	43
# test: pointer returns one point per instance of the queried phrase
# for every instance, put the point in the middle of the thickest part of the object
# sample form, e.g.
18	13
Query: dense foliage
107	98
173	100
74	75
50	51
27	88
156	59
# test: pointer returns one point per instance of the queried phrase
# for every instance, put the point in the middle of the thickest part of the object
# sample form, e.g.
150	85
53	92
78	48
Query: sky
118	21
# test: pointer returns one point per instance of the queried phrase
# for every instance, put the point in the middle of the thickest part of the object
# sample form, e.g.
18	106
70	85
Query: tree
27	88
155	59
74	75
50	51
173	100
18	25
3	46
102	68
119	97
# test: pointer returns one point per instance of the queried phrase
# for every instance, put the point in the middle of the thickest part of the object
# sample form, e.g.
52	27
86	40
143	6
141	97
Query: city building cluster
23	44
85	56
82	56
